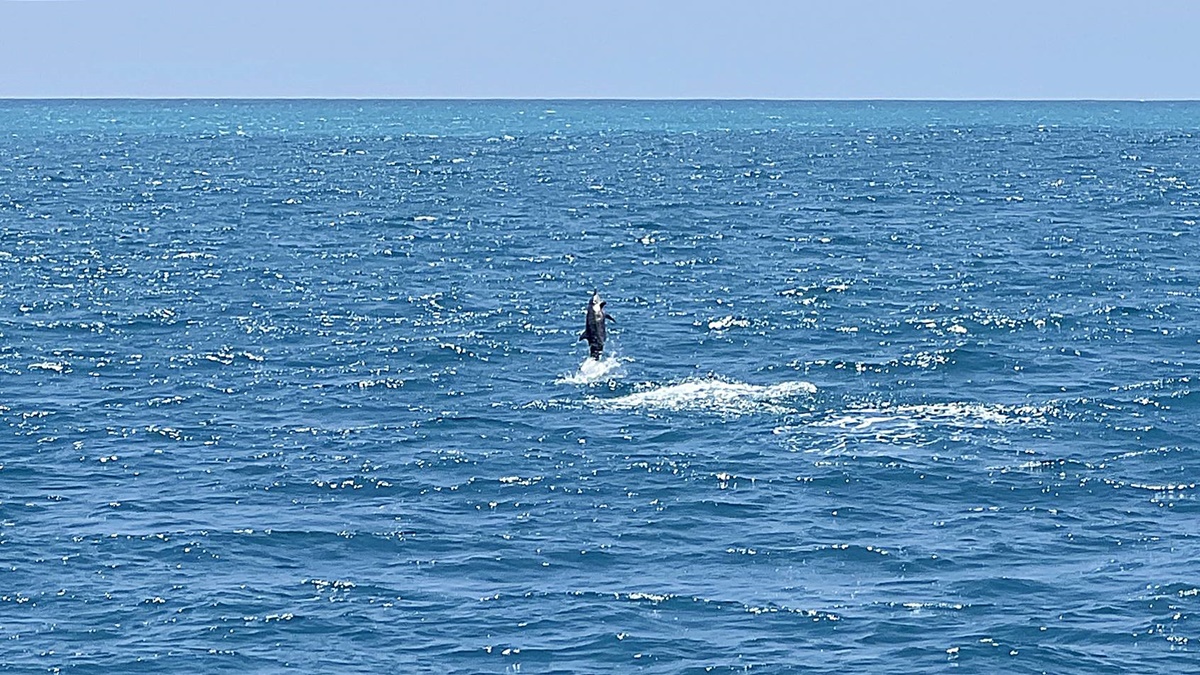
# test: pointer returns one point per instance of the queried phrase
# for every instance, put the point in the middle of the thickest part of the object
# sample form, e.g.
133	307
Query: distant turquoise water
895	387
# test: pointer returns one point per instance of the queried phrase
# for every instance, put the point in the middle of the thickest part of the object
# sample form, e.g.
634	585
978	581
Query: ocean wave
381	381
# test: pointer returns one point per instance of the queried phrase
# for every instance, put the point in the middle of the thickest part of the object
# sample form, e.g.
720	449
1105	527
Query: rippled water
893	387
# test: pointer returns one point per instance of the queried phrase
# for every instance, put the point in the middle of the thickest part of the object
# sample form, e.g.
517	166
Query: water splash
592	371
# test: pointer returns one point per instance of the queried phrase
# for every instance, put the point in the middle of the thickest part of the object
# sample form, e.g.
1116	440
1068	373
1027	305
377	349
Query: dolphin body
594	330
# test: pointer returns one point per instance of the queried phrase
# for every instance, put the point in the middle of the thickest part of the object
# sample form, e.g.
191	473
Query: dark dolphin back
594	331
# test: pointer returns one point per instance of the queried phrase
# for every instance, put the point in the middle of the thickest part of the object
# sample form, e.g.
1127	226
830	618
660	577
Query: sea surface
894	387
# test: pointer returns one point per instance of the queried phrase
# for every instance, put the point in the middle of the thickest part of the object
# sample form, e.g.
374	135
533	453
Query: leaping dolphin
594	330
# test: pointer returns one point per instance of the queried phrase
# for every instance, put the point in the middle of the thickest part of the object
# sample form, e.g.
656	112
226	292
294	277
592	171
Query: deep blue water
294	386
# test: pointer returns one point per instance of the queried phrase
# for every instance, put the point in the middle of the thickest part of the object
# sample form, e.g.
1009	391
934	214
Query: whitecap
727	322
386	382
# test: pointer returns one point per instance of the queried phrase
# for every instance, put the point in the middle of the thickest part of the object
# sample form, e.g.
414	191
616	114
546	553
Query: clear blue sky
964	49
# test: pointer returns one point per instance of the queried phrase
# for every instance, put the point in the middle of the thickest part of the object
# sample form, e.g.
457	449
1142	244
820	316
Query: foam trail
714	395
961	415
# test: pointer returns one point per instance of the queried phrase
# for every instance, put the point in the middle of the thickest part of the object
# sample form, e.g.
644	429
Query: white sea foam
713	395
728	322
595	370
961	415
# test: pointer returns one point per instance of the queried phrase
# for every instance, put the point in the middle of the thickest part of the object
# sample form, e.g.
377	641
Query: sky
659	49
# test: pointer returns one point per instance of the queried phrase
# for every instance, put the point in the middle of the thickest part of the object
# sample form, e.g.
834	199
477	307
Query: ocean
893	387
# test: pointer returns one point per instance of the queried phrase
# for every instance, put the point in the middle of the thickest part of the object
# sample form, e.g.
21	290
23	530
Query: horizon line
630	99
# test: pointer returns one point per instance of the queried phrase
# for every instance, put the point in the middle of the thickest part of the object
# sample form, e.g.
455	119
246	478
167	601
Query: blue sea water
295	386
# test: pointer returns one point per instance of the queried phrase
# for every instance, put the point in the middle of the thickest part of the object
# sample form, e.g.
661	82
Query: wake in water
591	371
915	423
962	415
713	395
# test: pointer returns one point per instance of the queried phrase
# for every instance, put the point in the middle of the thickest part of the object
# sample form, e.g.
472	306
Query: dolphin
594	330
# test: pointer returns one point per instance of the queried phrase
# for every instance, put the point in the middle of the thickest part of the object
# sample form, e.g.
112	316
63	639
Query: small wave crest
594	370
55	366
713	395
